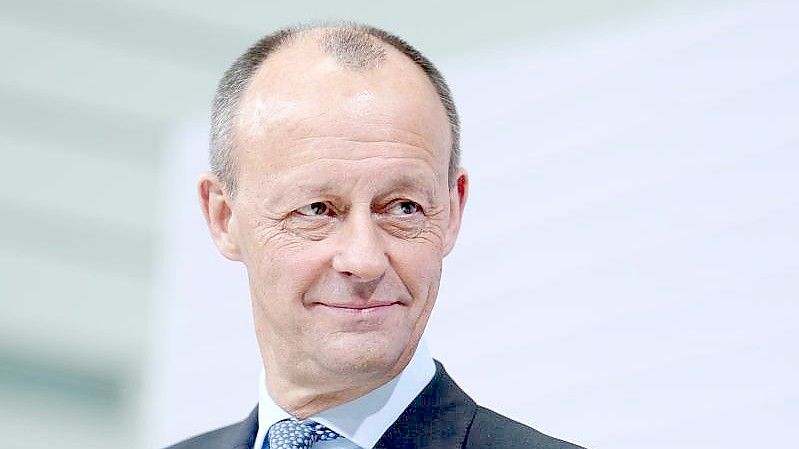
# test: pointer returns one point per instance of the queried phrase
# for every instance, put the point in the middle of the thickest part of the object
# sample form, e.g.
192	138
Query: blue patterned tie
293	434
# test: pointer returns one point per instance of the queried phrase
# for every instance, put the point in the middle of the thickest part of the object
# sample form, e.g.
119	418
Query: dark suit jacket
442	416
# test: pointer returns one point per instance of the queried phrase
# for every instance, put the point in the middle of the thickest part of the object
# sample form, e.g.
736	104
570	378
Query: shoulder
213	439
492	430
236	436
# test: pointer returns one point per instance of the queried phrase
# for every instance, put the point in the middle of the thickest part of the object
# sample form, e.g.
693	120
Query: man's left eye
315	209
404	208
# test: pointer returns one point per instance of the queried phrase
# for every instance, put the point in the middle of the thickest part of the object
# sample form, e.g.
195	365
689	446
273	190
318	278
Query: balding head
353	47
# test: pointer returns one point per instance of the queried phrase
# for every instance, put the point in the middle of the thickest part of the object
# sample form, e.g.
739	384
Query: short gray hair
354	46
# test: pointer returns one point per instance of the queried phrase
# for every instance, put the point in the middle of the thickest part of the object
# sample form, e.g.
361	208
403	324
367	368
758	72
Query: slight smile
359	308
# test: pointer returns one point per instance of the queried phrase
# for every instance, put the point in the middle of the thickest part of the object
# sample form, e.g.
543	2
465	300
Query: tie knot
293	434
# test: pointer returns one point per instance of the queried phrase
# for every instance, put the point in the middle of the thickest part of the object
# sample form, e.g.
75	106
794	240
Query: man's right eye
315	209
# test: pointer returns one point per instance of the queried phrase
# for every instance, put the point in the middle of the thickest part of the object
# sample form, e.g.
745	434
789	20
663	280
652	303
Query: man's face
343	213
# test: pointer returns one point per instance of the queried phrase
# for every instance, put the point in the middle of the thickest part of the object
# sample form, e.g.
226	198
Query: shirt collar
365	419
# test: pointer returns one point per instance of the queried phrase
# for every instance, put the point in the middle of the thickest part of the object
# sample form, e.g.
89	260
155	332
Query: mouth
368	308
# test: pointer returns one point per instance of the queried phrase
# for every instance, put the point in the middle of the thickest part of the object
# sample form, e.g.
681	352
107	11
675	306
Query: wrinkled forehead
301	92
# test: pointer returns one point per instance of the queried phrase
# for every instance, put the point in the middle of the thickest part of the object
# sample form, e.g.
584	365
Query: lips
359	306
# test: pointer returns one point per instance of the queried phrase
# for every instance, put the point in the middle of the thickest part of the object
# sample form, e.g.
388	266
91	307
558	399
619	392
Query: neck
302	403
308	391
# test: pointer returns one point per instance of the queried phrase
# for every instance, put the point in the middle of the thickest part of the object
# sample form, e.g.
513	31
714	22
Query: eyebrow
393	182
316	189
414	183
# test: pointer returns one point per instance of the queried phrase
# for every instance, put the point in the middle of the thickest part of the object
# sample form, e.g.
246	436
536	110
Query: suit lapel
242	435
439	417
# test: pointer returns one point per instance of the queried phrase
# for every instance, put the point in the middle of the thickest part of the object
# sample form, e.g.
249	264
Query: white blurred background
627	272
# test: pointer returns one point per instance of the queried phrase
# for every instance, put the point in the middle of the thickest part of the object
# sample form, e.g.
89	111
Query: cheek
285	266
419	267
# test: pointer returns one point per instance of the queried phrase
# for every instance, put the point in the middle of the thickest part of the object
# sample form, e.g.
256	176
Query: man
335	180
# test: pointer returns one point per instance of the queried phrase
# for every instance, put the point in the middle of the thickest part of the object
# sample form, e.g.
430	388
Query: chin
358	356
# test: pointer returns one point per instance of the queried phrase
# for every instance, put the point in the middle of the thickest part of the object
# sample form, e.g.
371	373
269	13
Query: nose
361	252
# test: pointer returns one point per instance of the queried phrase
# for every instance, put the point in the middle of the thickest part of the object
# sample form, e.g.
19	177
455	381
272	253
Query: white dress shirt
362	421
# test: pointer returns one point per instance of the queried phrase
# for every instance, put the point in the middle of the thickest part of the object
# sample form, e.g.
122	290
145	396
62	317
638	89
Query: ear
458	194
217	209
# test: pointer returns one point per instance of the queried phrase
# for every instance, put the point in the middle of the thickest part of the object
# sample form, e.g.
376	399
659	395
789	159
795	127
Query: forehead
303	106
